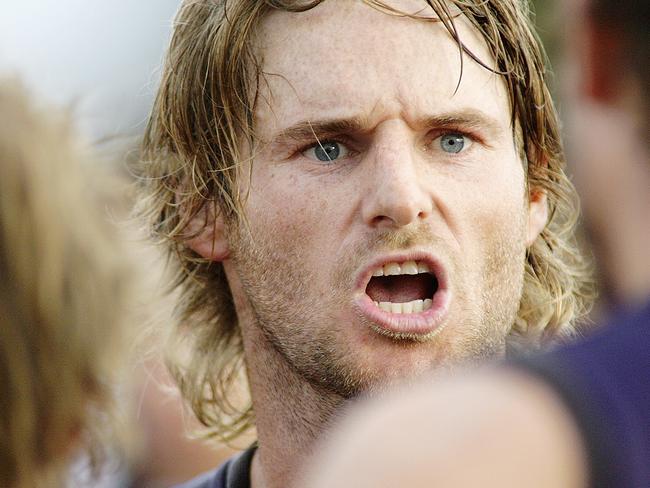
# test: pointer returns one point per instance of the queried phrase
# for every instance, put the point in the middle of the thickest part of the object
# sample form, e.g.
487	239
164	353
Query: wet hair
203	118
60	294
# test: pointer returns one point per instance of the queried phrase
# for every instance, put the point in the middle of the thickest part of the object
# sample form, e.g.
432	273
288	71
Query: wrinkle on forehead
359	73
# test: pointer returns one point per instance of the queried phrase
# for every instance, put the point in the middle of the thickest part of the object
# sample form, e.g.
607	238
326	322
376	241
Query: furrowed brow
320	129
323	129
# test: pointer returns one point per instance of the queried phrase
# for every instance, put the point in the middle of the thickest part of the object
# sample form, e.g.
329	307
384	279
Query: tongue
401	288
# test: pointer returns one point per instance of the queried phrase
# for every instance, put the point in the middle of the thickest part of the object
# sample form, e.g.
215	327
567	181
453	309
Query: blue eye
453	143
326	151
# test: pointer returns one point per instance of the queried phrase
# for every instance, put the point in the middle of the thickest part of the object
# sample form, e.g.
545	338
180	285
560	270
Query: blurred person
165	453
100	59
576	417
344	209
605	102
61	294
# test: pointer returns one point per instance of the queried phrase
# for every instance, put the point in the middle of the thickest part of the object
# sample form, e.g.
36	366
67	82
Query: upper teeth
407	267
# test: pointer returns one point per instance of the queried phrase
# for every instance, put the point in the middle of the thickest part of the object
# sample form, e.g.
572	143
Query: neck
290	413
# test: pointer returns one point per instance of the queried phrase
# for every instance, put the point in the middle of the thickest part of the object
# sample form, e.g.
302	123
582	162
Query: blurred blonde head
60	296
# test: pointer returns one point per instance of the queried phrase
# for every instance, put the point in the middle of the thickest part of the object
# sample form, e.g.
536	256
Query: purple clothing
234	473
605	382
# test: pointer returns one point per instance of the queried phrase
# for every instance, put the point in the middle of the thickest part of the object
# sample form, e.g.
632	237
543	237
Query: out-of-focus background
99	57
101	60
600	95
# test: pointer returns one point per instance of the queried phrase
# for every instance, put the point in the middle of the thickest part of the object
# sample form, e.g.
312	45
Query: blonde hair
60	296
202	116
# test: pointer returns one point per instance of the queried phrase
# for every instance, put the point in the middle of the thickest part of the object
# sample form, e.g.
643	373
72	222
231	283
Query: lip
412	324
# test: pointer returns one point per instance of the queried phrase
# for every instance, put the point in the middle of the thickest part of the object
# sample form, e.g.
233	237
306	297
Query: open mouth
403	288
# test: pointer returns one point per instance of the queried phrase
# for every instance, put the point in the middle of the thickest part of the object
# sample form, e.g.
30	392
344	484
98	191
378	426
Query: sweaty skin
378	92
315	226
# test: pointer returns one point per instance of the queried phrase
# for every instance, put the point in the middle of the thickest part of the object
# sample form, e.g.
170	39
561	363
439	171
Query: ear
207	233
537	215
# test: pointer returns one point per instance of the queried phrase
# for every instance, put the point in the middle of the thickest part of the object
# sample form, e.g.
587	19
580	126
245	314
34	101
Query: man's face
400	169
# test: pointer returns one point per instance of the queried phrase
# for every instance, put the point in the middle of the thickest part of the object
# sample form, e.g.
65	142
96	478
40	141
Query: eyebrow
321	129
469	119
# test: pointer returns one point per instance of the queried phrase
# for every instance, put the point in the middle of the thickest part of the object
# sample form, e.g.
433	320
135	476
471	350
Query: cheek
504	222
491	214
290	209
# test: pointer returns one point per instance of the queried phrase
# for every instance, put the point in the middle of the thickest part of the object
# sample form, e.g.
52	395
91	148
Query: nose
396	193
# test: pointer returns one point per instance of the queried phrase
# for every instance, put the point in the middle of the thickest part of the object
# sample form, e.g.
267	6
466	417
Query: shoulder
212	479
604	384
234	473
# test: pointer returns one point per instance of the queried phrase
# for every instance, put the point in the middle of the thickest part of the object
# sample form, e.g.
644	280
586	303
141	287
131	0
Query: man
61	295
579	416
353	193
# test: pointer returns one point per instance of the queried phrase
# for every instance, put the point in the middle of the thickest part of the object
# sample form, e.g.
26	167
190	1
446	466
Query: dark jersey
605	382
234	473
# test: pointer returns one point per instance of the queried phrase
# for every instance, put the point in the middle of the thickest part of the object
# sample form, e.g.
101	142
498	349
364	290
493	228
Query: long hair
203	116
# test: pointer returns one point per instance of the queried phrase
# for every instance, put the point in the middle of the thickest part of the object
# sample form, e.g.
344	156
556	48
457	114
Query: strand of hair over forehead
442	13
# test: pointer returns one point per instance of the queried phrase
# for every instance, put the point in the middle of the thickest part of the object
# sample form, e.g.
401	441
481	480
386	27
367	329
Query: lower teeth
415	306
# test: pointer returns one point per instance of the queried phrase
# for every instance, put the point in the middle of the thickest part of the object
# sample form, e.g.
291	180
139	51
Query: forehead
346	59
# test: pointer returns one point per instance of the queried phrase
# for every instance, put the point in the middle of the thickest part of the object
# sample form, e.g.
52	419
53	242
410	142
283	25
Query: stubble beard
296	323
302	327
